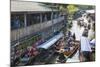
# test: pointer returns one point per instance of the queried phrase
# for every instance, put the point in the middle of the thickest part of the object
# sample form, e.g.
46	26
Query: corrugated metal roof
24	6
51	41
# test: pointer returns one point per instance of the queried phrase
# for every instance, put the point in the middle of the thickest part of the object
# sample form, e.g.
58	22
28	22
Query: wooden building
32	24
31	17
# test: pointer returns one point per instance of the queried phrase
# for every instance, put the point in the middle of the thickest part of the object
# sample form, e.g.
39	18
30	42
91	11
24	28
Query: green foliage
71	9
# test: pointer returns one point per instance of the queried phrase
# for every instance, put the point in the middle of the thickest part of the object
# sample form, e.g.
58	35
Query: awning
51	41
90	11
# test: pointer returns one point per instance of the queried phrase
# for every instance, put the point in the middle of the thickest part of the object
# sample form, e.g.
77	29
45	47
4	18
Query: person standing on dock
85	47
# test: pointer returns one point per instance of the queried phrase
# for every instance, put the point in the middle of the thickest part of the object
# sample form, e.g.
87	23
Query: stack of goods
32	51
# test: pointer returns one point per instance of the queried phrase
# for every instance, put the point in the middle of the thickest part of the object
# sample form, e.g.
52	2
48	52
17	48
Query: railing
19	33
58	19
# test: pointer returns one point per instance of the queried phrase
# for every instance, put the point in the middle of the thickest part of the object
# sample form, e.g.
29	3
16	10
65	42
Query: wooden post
25	25
25	20
40	17
52	20
41	26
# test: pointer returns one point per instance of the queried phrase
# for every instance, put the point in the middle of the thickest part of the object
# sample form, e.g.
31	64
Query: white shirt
85	45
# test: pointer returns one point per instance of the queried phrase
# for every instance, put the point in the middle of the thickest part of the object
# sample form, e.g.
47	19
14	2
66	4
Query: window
48	16
33	19
17	21
44	17
55	15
